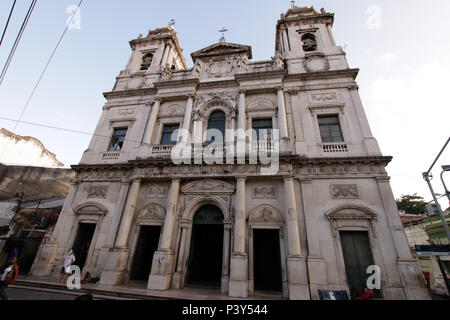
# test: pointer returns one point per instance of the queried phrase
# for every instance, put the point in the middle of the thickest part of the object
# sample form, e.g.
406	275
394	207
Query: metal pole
441	214
447	193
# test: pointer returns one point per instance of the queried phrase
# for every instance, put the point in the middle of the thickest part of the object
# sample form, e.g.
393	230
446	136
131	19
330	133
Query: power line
7	22
16	42
63	129
46	66
43	71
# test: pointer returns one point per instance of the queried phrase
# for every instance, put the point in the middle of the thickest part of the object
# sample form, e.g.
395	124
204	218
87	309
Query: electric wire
7	22
16	42
46	66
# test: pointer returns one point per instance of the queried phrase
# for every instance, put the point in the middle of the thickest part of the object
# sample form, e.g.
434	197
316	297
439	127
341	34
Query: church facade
316	222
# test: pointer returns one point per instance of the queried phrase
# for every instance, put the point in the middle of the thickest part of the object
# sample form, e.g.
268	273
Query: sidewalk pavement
134	291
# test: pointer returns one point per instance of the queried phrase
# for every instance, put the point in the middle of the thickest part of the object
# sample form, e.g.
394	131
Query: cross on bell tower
223	30
292	3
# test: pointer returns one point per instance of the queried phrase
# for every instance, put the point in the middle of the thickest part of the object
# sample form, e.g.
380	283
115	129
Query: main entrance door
205	253
357	257
82	243
267	260
146	246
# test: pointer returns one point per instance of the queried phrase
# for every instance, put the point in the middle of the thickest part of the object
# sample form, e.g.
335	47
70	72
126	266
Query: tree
412	204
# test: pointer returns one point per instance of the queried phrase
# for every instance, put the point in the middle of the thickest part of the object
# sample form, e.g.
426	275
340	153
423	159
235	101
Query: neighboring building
25	151
34	182
416	234
133	215
30	198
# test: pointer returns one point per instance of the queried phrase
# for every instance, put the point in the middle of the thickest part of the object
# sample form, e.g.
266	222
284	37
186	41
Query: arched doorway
205	253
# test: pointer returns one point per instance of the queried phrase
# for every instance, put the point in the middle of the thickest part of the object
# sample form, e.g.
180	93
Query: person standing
69	259
14	254
9	277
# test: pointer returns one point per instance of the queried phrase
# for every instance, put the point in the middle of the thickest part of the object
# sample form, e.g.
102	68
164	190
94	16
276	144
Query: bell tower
159	50
305	41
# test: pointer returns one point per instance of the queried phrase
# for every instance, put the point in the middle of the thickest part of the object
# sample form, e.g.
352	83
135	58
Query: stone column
163	259
187	119
240	147
116	263
177	277
282	121
296	264
226	257
239	259
241	110
54	249
316	265
116	214
292	220
152	121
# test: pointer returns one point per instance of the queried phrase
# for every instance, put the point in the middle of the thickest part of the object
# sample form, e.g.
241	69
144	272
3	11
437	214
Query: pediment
90	208
222	49
208	187
351	212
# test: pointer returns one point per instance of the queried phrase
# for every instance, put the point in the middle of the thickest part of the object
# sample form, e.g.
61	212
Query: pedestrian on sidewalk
68	260
14	254
9	277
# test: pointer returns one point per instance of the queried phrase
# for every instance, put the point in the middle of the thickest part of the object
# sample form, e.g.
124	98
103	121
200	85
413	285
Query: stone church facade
134	216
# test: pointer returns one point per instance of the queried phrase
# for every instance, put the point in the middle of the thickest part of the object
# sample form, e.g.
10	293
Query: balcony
334	147
111	155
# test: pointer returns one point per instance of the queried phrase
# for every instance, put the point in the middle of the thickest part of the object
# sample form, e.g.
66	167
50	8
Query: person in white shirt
68	260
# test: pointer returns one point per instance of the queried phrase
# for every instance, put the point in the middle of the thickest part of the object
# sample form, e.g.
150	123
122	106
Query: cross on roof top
223	30
292	3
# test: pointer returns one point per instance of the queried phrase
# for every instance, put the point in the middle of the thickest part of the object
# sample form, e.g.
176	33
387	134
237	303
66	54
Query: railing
334	147
113	155
161	150
263	145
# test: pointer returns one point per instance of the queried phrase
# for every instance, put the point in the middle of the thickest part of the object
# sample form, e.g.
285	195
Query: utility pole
428	176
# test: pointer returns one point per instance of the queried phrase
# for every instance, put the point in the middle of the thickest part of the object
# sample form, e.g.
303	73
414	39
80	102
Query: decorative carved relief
264	192
126	112
265	214
349	191
208	187
97	191
157	192
262	104
324	97
174	110
153	212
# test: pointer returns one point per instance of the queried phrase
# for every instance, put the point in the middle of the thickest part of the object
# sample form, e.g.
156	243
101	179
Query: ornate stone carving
157	192
316	62
265	214
262	104
97	191
166	73
174	110
264	192
208	186
324	97
153	212
126	112
277	60
349	191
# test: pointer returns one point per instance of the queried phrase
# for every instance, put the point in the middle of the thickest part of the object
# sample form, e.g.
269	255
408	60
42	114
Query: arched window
146	61
309	42
216	127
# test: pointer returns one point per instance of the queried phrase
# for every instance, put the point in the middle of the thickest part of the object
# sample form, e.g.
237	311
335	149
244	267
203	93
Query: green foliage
412	204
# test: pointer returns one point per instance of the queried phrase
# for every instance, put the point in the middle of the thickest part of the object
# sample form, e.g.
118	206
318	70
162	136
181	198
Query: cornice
129	93
323	74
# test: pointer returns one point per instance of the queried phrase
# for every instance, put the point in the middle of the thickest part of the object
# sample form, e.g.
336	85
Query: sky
401	48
